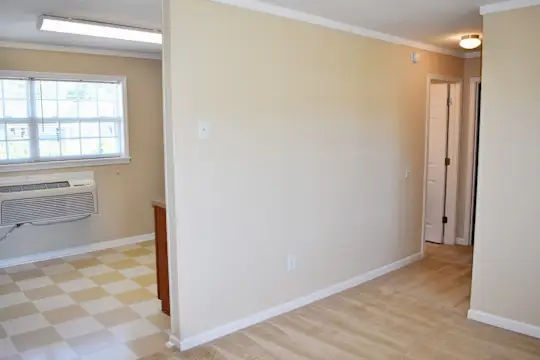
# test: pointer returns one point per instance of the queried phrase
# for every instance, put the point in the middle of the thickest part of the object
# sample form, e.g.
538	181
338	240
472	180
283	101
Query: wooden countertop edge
159	203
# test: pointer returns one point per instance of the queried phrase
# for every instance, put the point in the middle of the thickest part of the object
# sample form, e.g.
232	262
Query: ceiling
434	22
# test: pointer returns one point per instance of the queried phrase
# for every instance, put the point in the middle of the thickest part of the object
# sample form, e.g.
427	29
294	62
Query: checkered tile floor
101	305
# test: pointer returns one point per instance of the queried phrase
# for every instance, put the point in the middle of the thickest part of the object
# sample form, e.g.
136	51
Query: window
56	120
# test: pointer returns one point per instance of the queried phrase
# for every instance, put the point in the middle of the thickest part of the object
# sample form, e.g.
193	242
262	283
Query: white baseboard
240	324
462	241
504	323
28	259
174	342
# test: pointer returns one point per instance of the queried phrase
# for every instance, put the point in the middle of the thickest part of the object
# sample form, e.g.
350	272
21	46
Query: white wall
311	132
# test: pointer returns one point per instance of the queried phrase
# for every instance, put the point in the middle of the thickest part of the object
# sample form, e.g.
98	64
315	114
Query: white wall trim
79	50
472	55
28	259
461	241
240	324
256	5
504	323
507	5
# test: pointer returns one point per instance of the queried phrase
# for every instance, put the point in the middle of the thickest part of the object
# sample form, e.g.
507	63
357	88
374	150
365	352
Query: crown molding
259	6
79	50
507	5
472	55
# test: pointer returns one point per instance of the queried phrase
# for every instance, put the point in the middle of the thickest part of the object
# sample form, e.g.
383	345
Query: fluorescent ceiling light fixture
470	42
98	29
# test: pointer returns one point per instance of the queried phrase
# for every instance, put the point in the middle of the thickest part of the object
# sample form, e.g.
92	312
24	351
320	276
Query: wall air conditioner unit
44	202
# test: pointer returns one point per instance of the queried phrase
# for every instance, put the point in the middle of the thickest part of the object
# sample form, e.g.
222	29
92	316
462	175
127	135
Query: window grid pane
48	120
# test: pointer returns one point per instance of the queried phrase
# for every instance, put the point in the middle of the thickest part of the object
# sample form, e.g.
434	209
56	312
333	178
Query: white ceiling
434	22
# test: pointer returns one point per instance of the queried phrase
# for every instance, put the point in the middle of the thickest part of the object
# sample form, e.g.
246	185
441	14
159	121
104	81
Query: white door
436	173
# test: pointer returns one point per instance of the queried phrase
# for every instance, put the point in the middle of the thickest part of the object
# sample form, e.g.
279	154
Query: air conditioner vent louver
47	202
44	208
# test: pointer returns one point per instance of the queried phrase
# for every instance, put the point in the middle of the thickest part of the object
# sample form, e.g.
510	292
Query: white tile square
19	268
146	259
7	348
35	283
134	330
78	327
25	324
147	308
96	270
110	258
54	302
57	269
101	305
77	285
12	299
118	352
135	271
152	288
57	351
120	286
5	279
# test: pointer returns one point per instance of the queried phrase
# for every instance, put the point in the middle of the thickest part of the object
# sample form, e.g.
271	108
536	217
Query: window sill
53	165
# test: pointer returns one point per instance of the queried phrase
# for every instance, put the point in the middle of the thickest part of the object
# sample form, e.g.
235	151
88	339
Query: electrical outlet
291	262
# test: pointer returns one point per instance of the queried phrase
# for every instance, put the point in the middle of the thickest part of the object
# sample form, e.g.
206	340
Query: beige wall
507	252
124	199
472	69
311	132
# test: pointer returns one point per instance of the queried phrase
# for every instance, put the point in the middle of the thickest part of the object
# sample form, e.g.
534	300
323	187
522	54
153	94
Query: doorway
441	159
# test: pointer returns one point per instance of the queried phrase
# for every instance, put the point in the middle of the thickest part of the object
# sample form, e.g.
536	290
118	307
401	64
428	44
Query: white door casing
436	168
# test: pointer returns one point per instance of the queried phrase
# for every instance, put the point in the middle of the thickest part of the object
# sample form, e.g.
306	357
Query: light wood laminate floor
418	312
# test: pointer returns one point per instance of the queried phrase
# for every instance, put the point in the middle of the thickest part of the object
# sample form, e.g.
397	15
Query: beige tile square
78	257
25	324
17	311
12	299
162	321
101	305
118	352
137	252
85	263
111	258
103	252
36	339
56	351
5	279
78	327
147	308
93	342
152	288
134	330
135	296
120	287
51	262
148	243
9	288
116	317
146	280
26	275
7	348
77	285
35	283
108	278
136	271
57	269
89	294
43	292
146	260
54	302
148	345
65	277
3	334
123	264
96	270
19	268
64	314
128	247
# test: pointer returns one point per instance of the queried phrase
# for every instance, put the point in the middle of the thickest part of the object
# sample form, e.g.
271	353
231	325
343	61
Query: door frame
453	153
470	166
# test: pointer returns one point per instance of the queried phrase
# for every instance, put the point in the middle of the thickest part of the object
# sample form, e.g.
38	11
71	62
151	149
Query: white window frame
60	164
